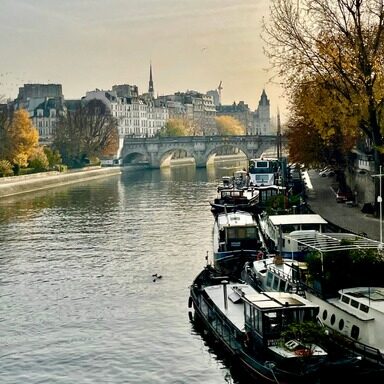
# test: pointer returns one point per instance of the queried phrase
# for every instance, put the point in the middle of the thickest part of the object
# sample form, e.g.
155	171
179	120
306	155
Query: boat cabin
263	171
226	182
279	229
268	314
237	230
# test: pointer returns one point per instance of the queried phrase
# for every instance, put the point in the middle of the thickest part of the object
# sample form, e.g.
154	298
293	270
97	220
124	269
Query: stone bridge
156	150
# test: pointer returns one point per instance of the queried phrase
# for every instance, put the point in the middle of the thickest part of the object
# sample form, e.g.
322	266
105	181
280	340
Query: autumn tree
180	126
174	127
321	129
87	132
228	125
38	159
19	137
338	44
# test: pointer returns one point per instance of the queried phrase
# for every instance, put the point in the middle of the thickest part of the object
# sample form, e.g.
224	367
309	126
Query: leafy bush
6	168
38	160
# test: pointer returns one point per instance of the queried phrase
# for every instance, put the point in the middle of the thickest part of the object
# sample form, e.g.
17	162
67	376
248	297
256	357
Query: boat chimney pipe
225	282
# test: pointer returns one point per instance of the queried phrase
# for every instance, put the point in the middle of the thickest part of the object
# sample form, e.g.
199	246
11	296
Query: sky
89	44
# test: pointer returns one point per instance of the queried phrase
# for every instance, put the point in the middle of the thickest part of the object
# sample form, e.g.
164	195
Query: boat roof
330	242
240	172
372	297
297	219
269	186
282	266
238	218
265	301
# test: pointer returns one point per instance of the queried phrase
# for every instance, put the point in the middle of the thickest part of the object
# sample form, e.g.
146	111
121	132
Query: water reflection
78	296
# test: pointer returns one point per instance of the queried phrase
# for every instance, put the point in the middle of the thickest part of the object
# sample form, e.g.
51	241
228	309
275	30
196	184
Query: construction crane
219	88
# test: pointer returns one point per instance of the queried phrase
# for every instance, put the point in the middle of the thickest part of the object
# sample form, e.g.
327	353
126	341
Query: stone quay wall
15	185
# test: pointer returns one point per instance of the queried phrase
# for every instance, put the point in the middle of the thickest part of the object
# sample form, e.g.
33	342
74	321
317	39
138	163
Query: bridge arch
158	149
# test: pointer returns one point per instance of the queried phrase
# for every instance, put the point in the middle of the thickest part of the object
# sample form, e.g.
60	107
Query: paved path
321	199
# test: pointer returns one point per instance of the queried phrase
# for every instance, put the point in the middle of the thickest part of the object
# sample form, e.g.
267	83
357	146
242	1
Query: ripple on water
78	302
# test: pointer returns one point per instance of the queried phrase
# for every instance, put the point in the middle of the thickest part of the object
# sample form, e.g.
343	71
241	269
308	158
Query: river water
78	302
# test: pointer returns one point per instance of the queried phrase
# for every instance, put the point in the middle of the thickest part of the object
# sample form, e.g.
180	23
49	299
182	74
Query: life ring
303	352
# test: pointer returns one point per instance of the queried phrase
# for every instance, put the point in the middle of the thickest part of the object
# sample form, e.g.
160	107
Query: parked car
328	171
342	196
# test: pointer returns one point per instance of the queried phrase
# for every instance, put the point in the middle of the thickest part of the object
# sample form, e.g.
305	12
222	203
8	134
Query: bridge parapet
155	149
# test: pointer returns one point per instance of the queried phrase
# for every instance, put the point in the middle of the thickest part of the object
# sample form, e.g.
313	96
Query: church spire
150	87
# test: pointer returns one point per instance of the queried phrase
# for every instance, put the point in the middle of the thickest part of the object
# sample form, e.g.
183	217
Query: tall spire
150	87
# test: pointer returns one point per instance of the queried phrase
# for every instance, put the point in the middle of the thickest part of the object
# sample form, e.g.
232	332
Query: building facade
45	104
262	117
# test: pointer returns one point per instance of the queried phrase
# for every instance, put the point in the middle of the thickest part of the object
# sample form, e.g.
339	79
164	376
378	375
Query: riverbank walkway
10	186
321	198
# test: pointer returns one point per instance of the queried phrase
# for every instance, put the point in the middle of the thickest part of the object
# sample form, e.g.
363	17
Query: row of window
355	330
355	304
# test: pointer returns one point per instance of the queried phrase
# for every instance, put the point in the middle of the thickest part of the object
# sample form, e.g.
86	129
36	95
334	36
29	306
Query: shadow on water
235	374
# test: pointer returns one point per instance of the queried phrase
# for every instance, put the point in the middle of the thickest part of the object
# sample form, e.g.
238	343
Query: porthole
325	314
341	324
333	319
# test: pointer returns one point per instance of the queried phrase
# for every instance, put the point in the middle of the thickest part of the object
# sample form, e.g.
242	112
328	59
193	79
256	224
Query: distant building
134	115
262	117
44	103
197	107
126	90
215	97
240	112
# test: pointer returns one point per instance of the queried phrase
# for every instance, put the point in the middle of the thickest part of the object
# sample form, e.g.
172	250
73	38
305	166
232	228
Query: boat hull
234	343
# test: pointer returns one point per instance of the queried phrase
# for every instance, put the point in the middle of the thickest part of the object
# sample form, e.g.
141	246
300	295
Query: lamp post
380	201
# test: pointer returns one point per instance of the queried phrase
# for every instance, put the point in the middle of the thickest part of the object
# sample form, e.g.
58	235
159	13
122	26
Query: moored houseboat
236	240
278	229
354	315
251	327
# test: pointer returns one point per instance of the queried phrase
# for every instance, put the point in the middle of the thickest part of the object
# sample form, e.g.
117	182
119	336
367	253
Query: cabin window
355	332
251	232
345	299
325	314
333	319
269	279
364	308
247	314
257	321
275	283
271	323
354	303
341	324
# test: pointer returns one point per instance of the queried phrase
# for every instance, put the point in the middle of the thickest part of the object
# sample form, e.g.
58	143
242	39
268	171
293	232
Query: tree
5	168
178	127
338	43
18	136
38	159
320	129
228	125
53	157
87	132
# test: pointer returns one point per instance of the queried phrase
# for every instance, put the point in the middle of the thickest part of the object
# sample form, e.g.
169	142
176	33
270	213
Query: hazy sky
88	44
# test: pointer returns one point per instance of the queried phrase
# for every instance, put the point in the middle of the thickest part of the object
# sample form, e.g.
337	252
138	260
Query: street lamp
380	201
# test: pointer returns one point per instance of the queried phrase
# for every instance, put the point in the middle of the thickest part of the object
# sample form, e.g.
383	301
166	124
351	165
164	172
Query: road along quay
321	198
